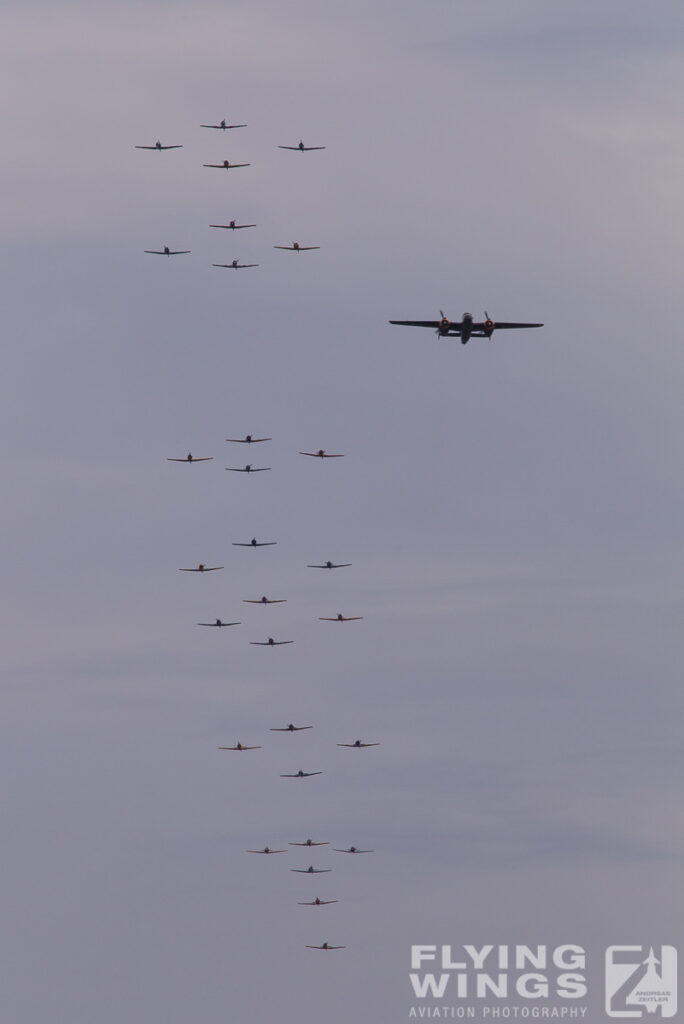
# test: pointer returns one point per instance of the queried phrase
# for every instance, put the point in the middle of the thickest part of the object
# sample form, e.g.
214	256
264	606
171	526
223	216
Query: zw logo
639	982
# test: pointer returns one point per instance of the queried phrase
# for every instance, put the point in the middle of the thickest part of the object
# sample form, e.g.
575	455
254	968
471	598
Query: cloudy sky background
512	508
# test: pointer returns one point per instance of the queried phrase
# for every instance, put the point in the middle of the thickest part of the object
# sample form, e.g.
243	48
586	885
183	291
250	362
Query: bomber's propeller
444	323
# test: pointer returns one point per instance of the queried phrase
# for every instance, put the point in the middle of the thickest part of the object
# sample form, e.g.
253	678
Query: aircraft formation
310	775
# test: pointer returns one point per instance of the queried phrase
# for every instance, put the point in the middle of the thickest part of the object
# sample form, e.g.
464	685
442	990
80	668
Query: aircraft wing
435	324
500	325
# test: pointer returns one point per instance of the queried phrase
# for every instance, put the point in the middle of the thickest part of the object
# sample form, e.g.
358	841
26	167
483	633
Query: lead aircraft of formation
466	328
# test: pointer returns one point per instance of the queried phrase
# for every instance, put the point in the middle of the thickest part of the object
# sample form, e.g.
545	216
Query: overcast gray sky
512	508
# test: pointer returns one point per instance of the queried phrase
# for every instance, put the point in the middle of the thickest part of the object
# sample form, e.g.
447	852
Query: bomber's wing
498	325
435	324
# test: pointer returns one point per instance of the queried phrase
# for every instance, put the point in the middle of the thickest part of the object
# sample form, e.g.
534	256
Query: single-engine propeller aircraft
264	600
301	147
266	849
308	842
222	125
352	849
357	744
158	146
248	439
235	265
233	226
203	568
298	775
219	623
296	247
167	252
254	543
326	945
311	870
321	454
191	458
290	728
249	468
239	746
330	565
339	618
464	329
316	903
270	642
226	165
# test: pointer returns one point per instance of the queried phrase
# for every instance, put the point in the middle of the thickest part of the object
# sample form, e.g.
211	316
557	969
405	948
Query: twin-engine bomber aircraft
465	329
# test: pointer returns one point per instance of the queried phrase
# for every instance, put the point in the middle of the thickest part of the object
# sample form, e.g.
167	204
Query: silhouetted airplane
264	600
290	728
308	842
296	247
219	623
320	454
249	468
158	146
358	744
191	458
223	125
340	618
352	849
203	568
227	165
235	265
266	850
239	746
326	945
301	147
254	543
330	565
316	903
233	226
248	439
466	328
299	775
167	252
270	642
311	870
